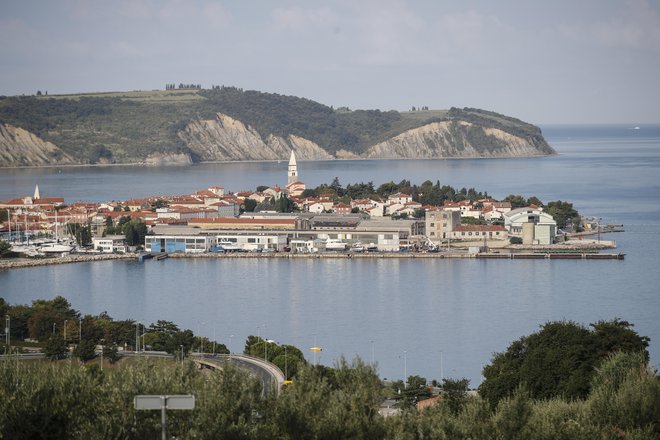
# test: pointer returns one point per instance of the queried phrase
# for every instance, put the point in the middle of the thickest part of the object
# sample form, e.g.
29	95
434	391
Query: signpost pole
163	417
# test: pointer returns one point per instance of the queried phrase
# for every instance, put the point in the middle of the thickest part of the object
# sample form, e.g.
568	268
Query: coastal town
287	219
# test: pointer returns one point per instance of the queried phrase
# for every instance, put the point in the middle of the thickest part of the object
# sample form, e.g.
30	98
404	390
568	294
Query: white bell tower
293	169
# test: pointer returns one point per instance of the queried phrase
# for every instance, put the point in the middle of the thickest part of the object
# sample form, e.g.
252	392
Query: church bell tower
293	169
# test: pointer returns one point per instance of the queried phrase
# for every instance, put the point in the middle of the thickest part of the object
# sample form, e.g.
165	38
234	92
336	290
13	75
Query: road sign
151	402
180	402
162	403
148	402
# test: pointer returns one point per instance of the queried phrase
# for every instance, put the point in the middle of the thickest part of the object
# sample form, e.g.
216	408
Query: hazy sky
588	61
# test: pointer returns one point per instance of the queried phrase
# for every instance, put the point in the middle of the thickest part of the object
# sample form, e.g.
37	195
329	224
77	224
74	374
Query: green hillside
126	127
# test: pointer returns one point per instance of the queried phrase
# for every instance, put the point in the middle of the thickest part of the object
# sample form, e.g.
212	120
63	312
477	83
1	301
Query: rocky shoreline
34	262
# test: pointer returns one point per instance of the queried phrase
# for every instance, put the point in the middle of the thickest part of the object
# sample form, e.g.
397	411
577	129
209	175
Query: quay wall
26	262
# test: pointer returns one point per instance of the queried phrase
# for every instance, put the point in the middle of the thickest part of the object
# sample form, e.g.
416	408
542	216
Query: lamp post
181	347
201	341
214	340
80	330
405	368
442	373
137	337
231	337
8	331
286	374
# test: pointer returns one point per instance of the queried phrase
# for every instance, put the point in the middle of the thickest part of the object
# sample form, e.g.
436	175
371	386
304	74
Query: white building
109	244
531	224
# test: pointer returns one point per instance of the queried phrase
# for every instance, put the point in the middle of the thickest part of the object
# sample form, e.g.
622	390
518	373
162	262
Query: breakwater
29	262
33	262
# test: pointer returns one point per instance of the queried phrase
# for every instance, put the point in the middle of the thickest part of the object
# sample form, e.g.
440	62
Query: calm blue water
466	309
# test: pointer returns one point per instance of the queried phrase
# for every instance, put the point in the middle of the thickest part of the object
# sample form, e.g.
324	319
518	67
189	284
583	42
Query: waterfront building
531	224
109	244
242	223
477	232
440	224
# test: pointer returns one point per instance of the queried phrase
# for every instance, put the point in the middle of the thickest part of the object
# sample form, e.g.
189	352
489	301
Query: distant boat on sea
636	127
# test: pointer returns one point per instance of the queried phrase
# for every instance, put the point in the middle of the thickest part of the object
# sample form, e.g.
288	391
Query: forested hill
227	123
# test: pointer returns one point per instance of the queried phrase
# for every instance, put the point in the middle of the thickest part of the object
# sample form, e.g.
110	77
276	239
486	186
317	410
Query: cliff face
457	139
467	134
19	147
225	138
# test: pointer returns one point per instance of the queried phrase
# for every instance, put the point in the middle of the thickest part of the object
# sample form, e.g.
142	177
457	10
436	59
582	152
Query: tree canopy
558	360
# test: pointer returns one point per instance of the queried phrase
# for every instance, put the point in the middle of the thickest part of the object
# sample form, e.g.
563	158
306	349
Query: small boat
371	247
55	248
357	247
335	244
229	246
29	250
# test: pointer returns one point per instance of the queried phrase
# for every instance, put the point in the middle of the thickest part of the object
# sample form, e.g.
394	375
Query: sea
434	318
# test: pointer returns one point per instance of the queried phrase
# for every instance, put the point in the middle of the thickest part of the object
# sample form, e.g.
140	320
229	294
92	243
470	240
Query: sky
560	61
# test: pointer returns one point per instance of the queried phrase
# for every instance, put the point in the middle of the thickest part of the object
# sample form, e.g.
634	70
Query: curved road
269	374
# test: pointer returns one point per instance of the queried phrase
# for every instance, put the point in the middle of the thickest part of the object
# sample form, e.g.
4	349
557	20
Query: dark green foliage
288	358
111	353
83	233
85	350
67	400
516	201
559	360
135	231
249	205
47	316
409	393
316	407
563	213
454	392
5	249
284	204
515	240
55	348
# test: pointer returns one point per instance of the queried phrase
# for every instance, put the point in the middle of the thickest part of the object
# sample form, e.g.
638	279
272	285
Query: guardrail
269	368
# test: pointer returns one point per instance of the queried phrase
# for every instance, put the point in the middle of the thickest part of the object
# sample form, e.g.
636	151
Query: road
269	374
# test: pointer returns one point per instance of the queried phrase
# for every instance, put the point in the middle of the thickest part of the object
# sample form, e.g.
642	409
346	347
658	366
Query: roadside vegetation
565	381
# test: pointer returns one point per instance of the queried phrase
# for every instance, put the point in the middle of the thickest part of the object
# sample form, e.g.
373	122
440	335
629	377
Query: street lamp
442	373
199	334
405	368
231	337
7	330
137	337
315	350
